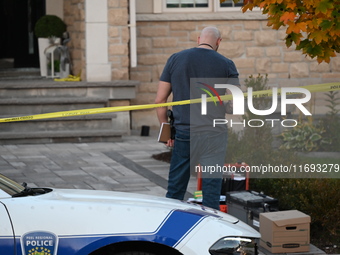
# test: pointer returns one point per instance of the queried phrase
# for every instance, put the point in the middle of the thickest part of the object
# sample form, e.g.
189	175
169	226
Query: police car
44	221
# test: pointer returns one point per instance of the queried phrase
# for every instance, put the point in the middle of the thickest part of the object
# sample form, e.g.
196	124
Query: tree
312	25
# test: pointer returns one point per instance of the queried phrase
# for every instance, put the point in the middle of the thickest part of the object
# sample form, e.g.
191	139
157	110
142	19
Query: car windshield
9	186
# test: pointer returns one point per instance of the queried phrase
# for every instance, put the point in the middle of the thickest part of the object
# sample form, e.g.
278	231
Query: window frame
214	6
218	8
188	9
228	9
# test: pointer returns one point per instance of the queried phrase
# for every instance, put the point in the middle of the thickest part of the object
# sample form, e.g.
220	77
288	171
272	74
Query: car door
7	241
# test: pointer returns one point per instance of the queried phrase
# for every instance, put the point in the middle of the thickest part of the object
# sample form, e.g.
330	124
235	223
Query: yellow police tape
264	93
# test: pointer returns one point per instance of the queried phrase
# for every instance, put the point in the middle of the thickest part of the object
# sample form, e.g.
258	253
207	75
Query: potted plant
48	29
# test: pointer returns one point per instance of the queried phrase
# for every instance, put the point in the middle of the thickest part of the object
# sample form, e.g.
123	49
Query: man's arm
163	92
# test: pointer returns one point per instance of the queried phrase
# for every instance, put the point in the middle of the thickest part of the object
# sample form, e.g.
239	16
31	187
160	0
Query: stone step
38	105
19	73
60	137
48	88
76	123
26	97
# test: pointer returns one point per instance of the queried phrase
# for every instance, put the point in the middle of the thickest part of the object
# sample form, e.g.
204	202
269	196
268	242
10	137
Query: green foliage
319	198
331	121
304	137
252	142
308	136
334	103
56	64
257	83
48	26
254	145
312	26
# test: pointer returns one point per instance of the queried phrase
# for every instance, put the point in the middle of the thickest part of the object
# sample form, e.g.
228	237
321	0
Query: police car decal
39	243
46	243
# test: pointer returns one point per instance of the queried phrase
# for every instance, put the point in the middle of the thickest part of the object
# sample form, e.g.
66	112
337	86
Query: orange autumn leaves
312	25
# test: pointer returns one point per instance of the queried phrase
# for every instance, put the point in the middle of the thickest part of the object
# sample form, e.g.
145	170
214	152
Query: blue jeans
204	148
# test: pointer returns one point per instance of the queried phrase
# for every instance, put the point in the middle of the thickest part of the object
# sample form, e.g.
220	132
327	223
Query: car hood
105	211
100	198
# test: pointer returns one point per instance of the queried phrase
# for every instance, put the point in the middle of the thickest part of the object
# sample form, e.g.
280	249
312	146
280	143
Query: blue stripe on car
174	228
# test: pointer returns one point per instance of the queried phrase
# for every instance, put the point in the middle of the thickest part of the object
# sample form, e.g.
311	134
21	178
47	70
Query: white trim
133	34
98	72
157	6
202	16
96	11
98	67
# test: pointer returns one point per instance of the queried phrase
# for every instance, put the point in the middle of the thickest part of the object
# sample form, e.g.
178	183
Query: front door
17	39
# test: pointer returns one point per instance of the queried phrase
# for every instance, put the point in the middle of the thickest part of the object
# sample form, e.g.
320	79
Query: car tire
135	253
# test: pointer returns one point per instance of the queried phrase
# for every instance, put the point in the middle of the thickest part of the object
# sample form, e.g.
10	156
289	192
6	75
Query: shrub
319	198
49	26
254	145
311	136
331	122
304	137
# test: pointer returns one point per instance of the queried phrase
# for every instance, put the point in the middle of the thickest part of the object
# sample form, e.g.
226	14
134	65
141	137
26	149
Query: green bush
49	26
311	136
304	137
319	198
254	145
331	122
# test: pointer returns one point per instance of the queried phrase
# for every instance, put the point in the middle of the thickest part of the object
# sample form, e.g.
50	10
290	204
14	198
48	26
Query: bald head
211	36
210	33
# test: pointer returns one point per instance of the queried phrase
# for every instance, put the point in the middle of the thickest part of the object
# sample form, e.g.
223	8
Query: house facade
132	40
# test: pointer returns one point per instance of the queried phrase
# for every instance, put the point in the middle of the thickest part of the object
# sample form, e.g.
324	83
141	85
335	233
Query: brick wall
74	17
119	38
118	33
253	47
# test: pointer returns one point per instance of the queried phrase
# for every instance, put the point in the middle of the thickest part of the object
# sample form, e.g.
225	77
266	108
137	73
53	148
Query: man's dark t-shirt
198	63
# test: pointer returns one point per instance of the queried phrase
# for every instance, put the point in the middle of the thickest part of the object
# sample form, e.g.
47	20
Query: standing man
186	75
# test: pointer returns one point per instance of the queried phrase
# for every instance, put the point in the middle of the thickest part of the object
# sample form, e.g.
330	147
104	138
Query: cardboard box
285	231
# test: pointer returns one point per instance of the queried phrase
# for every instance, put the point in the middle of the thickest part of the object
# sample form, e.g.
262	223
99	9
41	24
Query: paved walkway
125	166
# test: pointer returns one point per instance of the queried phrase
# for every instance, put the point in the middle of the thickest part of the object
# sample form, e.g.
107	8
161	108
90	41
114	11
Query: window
230	3
200	5
187	3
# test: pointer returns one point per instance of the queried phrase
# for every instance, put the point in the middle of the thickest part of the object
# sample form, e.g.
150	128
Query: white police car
42	221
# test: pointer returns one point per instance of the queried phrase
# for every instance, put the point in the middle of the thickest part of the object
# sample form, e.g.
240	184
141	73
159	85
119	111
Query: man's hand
170	143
